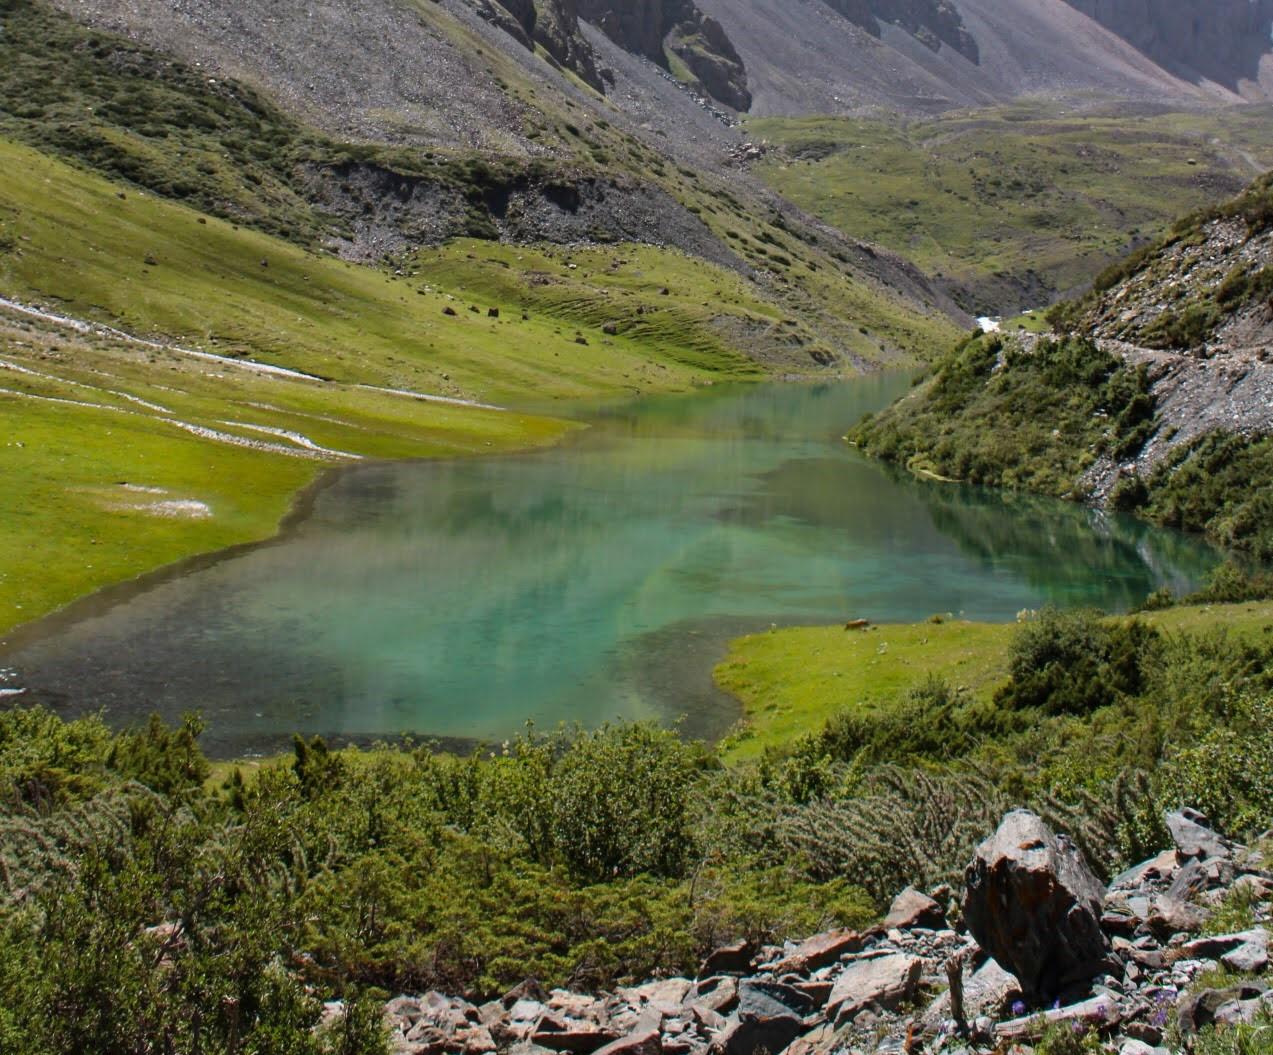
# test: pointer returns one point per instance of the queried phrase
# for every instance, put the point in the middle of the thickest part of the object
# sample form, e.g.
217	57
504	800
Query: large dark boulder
1033	904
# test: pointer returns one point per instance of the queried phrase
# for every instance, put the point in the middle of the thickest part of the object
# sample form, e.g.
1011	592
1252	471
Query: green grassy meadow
791	681
1011	203
86	414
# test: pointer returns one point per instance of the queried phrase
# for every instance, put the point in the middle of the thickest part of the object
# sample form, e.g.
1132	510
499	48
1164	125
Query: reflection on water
594	581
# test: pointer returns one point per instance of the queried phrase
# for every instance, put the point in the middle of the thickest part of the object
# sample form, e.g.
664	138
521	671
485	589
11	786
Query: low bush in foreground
145	907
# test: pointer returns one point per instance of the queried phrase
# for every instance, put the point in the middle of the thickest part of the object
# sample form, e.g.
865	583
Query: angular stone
986	991
529	989
475	1040
884	981
1248	958
1169	916
1198	1009
819	951
1216	945
1155	870
575	1038
1032	903
716	994
729	959
666	994
1188	881
749	1035
817	991
526	1010
761	999
912	909
817	1041
707	1019
644	1042
1192	834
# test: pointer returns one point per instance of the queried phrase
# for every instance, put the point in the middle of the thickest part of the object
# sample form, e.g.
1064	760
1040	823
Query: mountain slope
805	56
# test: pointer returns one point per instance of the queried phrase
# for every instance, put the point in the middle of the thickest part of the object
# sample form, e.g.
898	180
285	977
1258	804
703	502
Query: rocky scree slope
1036	945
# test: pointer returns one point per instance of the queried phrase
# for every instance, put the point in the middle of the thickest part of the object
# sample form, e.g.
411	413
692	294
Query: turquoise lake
598	580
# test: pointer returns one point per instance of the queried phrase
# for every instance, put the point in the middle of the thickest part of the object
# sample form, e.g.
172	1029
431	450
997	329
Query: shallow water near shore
598	580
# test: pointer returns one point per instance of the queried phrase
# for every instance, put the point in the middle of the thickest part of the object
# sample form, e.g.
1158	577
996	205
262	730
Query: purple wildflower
1018	1008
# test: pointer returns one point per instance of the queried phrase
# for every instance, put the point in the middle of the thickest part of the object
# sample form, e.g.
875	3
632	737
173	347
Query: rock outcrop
885	989
655	28
1033	904
931	22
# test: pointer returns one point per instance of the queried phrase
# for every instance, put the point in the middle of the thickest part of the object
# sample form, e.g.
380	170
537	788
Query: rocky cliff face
931	22
1216	40
653	28
552	24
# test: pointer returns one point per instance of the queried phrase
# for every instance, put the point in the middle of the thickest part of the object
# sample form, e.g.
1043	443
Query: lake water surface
597	580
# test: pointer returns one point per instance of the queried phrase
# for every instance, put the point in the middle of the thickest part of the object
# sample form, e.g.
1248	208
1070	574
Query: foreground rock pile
1041	945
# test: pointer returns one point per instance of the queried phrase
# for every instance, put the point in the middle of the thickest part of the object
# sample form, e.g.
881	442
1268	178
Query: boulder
1192	834
1033	904
912	909
881	981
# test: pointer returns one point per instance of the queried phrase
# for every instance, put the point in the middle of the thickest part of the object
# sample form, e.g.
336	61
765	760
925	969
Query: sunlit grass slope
791	681
82	415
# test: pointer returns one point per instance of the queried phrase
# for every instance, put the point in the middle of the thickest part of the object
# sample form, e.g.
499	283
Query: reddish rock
819	951
1033	904
883	982
912	909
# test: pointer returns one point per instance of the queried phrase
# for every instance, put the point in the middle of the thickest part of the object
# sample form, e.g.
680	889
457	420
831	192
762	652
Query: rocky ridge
1127	964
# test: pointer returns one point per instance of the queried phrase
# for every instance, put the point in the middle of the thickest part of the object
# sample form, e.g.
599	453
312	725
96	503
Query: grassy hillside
1038	417
73	241
1018	204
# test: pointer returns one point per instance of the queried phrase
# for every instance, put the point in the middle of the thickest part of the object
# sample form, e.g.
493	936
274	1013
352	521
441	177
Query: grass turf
791	681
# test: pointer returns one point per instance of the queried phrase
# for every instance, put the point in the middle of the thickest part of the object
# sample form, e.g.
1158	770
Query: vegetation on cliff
1038	416
1005	414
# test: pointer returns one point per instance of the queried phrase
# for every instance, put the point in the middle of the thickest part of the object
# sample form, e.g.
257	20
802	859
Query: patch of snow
298	438
187	508
989	324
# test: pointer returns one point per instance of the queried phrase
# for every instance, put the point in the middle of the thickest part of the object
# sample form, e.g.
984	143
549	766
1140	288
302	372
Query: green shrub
1076	662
